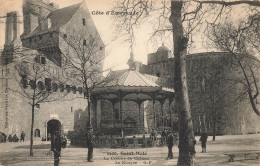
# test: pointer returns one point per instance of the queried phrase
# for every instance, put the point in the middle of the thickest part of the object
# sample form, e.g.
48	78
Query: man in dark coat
170	145
203	140
153	135
56	148
90	139
10	138
22	136
15	138
164	136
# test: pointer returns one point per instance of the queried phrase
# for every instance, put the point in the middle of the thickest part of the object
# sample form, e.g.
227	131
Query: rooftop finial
131	60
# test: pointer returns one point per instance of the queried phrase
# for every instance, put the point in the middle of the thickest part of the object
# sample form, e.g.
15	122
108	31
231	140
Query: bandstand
131	85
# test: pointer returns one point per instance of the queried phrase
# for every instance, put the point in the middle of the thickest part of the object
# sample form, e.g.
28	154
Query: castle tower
34	11
12	33
12	30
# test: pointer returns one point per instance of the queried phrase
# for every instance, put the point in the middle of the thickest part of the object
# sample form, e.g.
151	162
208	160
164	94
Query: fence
106	142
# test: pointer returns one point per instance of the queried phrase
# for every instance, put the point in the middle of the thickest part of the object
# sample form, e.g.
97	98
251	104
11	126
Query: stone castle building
47	30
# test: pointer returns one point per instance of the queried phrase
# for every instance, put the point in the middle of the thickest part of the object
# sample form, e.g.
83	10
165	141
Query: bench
244	154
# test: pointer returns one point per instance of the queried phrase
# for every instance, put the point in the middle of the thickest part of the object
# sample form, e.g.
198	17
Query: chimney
12	29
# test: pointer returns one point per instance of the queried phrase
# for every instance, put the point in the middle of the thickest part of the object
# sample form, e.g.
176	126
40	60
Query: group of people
58	142
15	138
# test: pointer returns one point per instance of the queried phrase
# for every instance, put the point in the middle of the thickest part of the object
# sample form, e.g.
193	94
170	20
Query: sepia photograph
130	82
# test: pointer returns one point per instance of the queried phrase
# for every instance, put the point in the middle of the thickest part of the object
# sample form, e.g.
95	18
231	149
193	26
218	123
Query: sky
117	51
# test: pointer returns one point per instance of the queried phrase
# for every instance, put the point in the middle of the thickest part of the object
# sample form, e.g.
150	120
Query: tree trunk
31	140
89	124
186	135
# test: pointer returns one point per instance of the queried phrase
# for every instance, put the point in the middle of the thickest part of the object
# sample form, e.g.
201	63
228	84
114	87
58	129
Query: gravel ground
17	154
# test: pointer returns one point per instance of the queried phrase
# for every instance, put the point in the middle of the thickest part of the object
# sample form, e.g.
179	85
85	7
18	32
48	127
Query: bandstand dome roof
131	85
129	78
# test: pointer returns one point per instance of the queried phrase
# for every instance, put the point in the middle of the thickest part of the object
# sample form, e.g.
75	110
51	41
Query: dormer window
84	21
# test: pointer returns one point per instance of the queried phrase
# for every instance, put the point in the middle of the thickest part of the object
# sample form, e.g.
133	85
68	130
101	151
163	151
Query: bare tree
84	54
241	42
30	68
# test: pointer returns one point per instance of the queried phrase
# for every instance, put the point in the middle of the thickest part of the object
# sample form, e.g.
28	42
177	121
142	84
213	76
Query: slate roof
129	78
58	18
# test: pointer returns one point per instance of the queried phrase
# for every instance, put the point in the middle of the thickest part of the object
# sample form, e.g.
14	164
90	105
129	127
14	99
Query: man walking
56	148
22	136
89	142
203	140
170	145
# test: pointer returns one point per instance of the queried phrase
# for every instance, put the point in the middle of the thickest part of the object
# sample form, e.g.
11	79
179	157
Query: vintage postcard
129	82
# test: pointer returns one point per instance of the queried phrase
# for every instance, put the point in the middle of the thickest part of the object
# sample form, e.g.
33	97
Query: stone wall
16	113
212	89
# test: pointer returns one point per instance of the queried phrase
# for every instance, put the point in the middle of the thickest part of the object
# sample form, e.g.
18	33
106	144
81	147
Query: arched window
37	133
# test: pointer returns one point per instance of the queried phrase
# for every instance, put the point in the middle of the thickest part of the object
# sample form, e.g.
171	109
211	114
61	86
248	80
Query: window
37	133
37	105
84	21
116	114
51	34
43	61
30	40
84	42
100	48
40	37
64	36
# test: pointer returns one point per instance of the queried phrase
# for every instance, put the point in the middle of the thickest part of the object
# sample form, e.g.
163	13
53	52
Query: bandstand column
170	101
162	102
121	112
144	144
162	114
139	119
154	114
113	112
46	134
